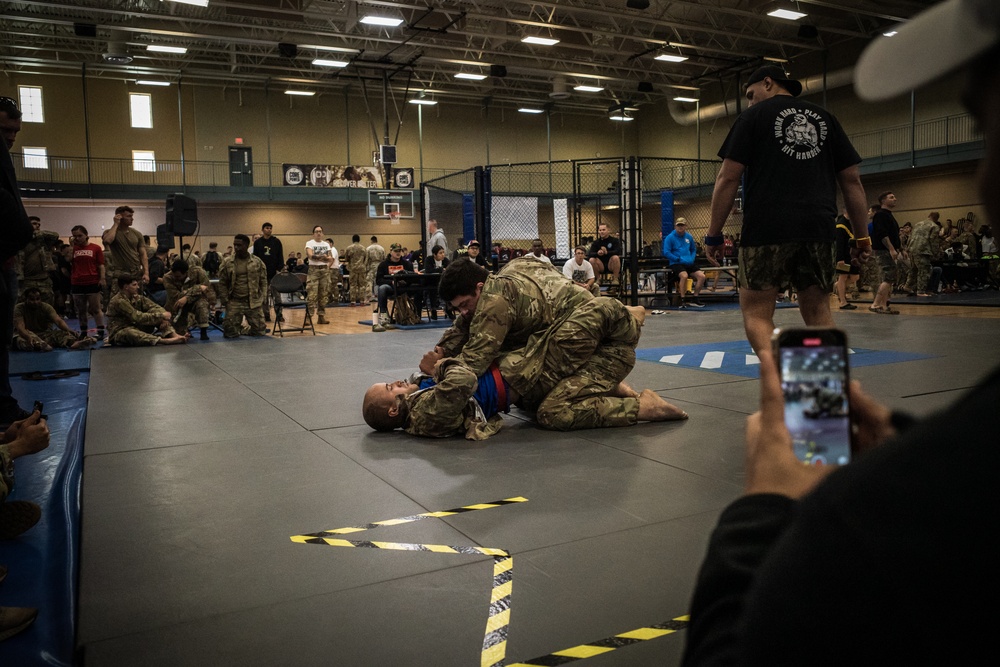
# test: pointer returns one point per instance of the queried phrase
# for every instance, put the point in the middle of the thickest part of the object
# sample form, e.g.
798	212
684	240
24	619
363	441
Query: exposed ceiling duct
559	91
811	85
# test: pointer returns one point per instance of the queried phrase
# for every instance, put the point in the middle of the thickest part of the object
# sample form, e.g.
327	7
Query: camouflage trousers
318	289
919	276
370	282
54	337
360	289
570	370
232	325
196	310
137	336
797	265
44	285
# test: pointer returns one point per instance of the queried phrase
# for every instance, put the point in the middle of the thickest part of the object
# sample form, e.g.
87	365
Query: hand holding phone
814	379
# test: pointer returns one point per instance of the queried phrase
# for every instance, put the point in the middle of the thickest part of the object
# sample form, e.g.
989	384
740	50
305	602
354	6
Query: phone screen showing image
814	380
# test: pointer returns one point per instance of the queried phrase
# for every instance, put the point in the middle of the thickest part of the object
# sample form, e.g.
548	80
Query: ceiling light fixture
890	33
685	99
530	110
159	48
144	82
197	3
303	93
786	13
588	89
772	59
544	41
670	58
387	21
623	116
470	76
320	62
336	49
422	101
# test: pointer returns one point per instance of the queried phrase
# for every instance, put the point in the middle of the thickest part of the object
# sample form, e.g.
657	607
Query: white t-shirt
541	258
321	252
578	273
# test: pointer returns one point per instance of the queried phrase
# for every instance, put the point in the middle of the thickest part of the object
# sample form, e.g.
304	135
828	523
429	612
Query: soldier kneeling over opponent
567	394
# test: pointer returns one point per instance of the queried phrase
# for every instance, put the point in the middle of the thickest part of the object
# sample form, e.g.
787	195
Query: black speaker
637	4
645	87
288	50
182	215
807	31
164	237
499	71
85	30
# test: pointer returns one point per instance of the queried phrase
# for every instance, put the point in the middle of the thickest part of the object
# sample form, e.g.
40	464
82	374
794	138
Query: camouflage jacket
376	254
356	257
923	238
191	287
448	407
256	278
34	261
139	311
525	297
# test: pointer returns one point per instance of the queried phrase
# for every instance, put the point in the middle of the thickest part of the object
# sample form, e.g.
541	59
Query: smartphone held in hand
814	379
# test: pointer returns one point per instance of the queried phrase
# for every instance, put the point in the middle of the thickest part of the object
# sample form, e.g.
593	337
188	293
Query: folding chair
291	283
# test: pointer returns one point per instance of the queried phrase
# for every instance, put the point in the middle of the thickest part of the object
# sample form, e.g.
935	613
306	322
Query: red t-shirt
86	261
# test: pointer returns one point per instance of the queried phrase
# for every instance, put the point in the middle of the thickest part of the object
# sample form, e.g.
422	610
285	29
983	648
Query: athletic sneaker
694	303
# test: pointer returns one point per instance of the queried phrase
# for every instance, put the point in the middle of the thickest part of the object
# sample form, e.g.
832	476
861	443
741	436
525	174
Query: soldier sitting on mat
577	367
38	327
190	295
133	318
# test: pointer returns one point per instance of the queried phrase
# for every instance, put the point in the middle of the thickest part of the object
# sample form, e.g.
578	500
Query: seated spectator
190	296
38	327
474	252
680	250
436	263
385	286
581	272
157	269
135	320
987	242
605	254
25	437
538	252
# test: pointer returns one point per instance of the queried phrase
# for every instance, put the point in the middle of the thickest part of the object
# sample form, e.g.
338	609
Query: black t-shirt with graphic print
793	151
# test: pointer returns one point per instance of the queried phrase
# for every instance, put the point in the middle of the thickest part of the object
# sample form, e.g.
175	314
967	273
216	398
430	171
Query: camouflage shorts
777	267
884	269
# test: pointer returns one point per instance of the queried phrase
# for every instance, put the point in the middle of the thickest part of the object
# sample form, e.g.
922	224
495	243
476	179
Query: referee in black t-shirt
885	242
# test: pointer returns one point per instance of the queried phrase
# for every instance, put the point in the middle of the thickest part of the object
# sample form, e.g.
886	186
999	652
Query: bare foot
638	312
625	391
173	340
82	344
653	408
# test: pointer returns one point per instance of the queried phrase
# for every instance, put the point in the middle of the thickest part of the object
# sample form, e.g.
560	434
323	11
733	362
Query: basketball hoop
394	217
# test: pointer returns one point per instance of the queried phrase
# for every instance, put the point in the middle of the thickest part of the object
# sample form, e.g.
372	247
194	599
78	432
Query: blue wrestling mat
22	363
42	563
737	357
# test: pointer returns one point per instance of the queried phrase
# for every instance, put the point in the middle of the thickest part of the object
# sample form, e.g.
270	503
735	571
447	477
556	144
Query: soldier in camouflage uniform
126	254
357	266
189	294
376	254
500	313
133	318
34	262
242	288
923	240
33	326
579	383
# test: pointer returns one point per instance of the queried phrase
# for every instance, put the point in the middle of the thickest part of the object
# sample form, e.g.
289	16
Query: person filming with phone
891	559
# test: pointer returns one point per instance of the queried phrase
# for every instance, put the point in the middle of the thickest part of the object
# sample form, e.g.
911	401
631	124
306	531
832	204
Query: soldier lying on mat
571	375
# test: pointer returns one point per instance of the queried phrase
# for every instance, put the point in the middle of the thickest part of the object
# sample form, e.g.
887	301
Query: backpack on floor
404	312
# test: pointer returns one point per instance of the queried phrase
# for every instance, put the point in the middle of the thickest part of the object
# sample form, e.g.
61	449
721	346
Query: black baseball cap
776	74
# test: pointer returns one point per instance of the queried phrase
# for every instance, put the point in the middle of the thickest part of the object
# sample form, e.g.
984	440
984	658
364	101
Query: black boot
204	333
